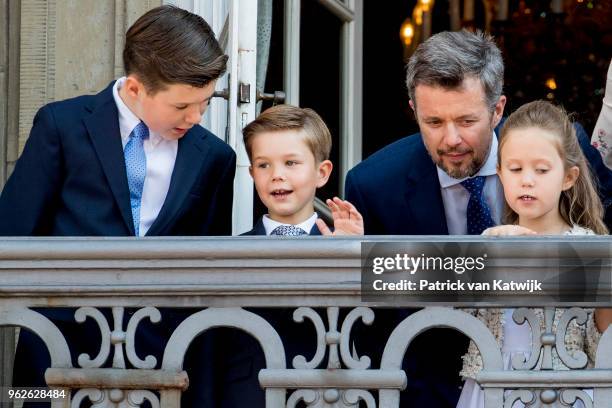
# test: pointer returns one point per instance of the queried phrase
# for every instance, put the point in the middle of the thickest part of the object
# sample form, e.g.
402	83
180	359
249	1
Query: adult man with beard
443	181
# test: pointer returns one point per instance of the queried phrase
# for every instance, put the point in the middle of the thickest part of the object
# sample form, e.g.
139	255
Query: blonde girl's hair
580	204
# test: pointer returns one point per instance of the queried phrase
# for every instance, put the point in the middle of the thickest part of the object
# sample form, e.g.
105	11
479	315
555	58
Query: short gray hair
447	58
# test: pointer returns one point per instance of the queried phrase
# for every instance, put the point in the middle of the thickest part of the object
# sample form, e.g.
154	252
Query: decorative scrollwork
332	337
338	342
97	397
118	338
299	314
519	361
114	398
569	397
352	397
527	397
367	317
308	396
155	317
579	359
137	398
85	360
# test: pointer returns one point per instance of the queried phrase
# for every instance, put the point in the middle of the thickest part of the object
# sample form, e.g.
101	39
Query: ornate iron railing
223	275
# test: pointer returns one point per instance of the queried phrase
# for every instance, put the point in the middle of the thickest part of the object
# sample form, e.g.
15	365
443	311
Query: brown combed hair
288	117
169	45
580	204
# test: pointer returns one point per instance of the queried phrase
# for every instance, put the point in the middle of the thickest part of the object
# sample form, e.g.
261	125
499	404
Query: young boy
289	149
129	161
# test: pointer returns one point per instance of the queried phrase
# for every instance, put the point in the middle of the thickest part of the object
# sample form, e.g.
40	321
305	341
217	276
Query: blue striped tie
136	167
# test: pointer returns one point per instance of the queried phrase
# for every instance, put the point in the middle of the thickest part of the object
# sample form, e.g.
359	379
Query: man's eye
181	107
468	122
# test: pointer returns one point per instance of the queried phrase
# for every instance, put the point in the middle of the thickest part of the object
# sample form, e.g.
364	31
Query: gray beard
473	168
458	173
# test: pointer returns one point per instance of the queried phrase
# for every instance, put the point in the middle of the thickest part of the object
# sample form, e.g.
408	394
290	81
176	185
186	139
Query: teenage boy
289	149
129	161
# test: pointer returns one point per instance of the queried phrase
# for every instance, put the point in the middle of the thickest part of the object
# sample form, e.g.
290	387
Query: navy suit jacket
397	192
71	180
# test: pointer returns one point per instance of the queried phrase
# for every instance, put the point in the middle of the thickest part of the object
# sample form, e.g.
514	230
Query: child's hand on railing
508	230
347	220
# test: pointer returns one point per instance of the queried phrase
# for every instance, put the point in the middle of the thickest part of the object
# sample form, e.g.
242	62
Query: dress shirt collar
270	224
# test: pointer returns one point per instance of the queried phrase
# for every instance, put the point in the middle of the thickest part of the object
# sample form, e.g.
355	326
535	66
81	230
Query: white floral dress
516	339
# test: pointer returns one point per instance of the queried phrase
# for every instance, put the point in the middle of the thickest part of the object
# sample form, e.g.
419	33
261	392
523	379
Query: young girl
549	191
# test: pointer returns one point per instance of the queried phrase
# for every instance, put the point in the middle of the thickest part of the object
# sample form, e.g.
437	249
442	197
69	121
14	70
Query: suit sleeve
29	197
355	197
220	214
602	174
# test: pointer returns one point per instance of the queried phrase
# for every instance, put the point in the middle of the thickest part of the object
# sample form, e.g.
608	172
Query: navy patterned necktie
136	168
288	231
478	212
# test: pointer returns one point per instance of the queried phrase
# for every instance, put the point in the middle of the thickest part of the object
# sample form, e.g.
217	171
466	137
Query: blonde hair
580	204
288	117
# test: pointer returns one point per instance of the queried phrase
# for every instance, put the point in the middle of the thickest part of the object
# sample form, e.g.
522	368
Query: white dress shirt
161	156
455	197
270	224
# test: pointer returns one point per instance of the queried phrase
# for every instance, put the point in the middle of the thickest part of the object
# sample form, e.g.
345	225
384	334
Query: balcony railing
221	276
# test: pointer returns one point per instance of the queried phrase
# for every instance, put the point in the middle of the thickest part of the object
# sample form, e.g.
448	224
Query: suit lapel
259	228
315	230
191	153
423	197
103	128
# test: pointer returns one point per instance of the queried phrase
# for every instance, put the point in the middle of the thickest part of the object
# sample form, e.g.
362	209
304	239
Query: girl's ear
499	173
324	170
571	175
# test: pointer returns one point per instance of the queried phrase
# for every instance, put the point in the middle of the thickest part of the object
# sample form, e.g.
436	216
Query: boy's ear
251	171
324	170
571	175
133	86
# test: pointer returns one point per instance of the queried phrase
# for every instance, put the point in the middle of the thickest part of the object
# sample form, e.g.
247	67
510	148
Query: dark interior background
573	48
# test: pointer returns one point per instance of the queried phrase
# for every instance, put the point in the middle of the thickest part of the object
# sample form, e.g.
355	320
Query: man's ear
498	112
412	106
324	171
571	175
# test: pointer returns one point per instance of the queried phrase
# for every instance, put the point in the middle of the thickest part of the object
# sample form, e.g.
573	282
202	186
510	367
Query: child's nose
278	173
528	179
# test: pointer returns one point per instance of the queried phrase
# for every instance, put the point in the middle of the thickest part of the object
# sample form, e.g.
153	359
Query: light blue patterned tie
478	212
136	167
288	230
